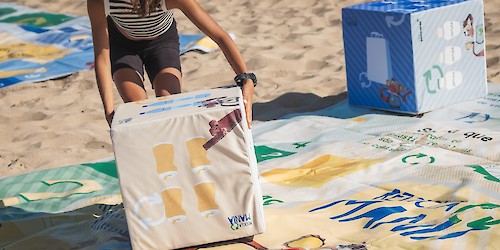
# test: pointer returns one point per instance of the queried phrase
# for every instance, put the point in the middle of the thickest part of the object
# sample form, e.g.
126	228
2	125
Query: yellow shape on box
172	200
317	172
197	154
205	193
164	156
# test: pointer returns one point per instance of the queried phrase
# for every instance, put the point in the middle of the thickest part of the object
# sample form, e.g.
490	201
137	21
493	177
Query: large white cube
187	169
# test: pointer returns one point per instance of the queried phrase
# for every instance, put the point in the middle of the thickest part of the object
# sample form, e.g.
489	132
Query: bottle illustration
449	30
172	201
205	192
164	156
450	55
379	68
197	154
451	80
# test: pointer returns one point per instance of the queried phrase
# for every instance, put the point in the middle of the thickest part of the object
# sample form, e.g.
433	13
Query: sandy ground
295	48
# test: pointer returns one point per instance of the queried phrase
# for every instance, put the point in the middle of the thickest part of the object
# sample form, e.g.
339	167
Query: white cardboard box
187	169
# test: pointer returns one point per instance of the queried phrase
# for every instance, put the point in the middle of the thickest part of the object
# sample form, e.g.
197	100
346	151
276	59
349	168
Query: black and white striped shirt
135	26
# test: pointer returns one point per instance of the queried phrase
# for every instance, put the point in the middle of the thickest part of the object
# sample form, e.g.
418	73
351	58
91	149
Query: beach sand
294	47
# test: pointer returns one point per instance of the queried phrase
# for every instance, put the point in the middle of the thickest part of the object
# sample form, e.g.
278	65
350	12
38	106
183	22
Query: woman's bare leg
168	82
129	85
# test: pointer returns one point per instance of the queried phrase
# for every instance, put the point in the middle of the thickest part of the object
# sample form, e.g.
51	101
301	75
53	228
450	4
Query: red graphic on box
219	129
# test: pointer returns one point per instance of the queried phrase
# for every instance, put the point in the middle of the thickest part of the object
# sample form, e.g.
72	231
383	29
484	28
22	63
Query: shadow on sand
293	103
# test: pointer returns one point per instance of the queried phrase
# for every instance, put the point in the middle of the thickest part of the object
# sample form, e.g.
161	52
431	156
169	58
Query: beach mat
37	46
372	181
477	112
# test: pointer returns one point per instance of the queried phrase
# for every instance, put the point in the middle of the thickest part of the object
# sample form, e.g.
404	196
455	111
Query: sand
295	48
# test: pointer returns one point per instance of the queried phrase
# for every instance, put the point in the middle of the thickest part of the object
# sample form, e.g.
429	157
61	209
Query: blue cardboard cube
413	56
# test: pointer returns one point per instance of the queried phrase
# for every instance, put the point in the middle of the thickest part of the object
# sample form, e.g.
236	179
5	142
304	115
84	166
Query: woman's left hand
200	18
247	91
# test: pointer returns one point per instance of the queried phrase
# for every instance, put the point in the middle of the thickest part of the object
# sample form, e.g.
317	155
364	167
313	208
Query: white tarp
364	181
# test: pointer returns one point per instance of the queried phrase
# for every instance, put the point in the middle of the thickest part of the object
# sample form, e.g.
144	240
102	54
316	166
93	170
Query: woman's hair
144	7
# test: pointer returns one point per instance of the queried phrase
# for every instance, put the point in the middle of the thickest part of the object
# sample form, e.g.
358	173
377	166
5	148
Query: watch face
239	79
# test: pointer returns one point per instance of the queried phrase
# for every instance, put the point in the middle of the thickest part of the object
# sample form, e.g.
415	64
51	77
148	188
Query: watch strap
241	78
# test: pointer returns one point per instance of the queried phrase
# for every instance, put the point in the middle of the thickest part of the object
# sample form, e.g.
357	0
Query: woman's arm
102	62
207	25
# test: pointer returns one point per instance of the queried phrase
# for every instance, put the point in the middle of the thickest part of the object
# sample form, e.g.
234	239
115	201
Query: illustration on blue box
379	70
473	41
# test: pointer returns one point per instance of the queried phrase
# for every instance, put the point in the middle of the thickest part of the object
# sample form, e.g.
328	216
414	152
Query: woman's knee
168	82
129	84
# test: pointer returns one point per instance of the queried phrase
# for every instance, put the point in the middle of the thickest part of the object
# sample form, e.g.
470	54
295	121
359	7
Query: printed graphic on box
379	70
474	34
460	60
171	198
378	58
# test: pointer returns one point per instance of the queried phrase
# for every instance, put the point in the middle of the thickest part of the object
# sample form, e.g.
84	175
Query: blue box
413	56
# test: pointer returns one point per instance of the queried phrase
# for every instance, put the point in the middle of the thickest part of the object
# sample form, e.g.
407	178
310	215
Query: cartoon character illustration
219	129
394	93
220	101
474	36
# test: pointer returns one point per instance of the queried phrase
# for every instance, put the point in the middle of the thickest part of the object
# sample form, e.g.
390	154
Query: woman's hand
247	91
209	26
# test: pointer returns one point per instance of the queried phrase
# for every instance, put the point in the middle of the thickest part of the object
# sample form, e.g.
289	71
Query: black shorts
154	55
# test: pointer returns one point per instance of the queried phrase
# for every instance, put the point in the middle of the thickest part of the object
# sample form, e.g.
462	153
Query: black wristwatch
241	78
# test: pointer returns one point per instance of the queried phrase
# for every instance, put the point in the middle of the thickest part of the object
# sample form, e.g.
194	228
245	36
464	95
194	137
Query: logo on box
239	221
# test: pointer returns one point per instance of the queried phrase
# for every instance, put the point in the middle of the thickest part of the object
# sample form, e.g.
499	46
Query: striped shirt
135	26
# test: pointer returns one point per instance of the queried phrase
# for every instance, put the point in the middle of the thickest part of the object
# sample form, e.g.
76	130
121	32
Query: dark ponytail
144	7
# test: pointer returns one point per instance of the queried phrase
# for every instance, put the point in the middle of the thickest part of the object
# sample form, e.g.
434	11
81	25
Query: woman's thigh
129	84
168	82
